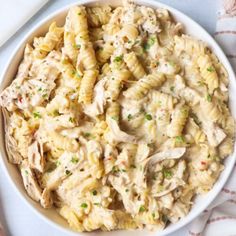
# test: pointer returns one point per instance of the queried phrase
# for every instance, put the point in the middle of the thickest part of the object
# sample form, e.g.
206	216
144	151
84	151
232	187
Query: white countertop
16	217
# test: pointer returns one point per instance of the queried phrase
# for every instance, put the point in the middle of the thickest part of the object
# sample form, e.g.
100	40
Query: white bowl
51	216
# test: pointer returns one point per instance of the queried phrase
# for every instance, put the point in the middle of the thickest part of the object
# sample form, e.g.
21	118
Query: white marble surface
16	217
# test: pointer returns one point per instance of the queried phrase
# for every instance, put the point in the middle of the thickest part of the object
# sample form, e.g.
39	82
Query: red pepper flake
109	158
123	162
20	99
203	162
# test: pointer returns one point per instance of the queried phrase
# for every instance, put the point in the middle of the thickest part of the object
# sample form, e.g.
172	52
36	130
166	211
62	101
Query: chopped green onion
153	215
94	192
26	172
127	190
96	204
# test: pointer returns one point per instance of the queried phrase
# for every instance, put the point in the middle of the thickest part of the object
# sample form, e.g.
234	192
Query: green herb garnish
87	135
58	163
74	160
78	46
115	169
71	119
129	117
118	59
84	205
210	69
36	114
44	95
68	172
149	43
94	192
209	98
115	118
56	113
148	117
78	75
179	139
172	88
167	173
142	208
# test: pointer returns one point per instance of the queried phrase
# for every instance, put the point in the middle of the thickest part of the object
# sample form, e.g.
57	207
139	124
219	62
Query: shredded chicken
99	100
214	133
174	153
119	135
35	156
11	144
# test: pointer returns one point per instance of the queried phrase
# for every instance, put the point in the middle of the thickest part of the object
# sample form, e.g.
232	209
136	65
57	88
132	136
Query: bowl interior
50	215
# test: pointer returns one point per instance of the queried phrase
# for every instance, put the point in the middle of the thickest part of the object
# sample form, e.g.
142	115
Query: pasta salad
118	119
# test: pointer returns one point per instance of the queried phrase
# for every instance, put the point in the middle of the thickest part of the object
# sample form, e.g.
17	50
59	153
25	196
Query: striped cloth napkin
1	230
220	217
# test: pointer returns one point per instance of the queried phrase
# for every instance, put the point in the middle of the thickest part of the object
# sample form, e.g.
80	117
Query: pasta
134	65
118	119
